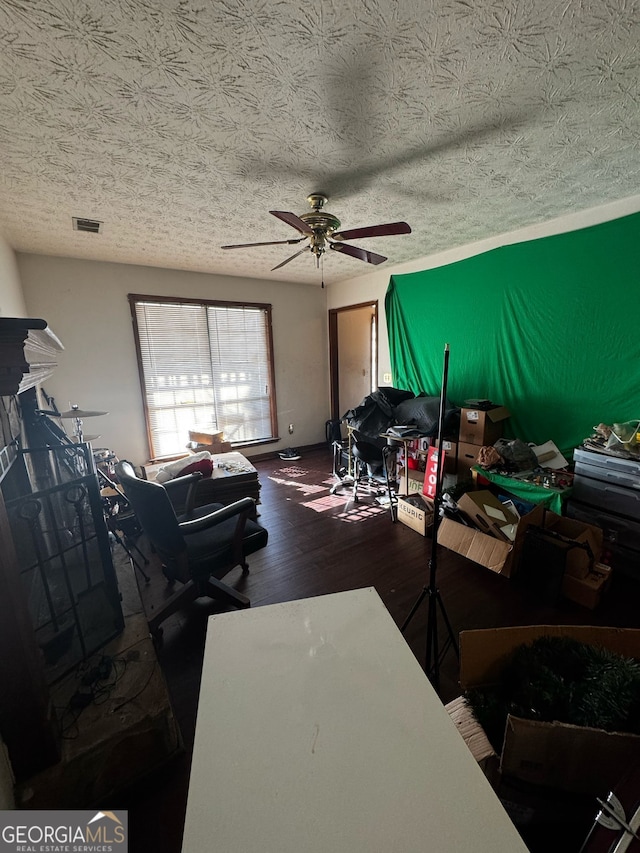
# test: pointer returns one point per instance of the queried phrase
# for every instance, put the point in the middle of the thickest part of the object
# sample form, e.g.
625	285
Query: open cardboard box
494	554
556	755
501	556
482	426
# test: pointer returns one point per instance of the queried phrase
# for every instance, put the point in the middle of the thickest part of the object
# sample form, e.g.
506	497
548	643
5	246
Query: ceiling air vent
90	225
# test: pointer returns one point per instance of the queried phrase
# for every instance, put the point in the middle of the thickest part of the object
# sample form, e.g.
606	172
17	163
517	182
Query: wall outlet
290	429
386	377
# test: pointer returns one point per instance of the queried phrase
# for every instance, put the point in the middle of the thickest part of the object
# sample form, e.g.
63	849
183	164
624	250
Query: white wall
12	302
374	285
85	303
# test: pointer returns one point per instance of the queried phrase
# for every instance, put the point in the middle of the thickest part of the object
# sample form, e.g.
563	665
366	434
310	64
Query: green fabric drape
549	328
550	498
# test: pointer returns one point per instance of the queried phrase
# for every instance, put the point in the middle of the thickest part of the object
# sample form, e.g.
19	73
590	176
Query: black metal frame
64	556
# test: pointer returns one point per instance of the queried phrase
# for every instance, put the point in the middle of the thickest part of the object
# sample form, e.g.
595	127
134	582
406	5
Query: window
207	365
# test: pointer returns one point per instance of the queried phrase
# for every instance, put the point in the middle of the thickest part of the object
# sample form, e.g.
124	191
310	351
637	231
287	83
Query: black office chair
197	547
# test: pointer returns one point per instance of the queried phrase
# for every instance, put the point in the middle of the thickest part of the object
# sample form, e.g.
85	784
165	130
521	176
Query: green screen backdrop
549	328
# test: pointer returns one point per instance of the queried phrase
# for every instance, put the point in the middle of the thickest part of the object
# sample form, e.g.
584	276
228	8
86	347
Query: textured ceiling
180	124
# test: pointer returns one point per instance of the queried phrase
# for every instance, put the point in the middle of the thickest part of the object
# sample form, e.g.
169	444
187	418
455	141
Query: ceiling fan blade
293	220
373	231
306	249
268	243
356	252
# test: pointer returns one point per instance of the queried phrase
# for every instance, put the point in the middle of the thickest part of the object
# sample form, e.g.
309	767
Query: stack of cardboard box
211	440
479	427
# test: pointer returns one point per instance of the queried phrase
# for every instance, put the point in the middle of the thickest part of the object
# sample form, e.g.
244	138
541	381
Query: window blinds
204	365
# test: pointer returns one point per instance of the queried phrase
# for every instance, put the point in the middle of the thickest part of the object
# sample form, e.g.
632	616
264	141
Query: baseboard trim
307	448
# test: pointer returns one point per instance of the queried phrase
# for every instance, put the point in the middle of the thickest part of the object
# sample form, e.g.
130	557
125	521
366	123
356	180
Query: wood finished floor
321	544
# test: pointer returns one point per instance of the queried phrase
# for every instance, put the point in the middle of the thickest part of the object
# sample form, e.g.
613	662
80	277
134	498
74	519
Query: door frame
334	356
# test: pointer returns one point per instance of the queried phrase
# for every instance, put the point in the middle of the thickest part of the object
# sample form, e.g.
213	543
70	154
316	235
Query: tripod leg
434	653
452	636
412	612
137	565
432	659
134	547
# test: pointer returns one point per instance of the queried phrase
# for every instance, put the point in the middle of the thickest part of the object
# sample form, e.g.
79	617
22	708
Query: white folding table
317	730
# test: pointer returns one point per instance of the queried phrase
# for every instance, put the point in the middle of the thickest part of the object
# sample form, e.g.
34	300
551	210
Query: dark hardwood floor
321	544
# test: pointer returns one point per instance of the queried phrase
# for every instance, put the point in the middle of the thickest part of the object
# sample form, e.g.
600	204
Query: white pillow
173	469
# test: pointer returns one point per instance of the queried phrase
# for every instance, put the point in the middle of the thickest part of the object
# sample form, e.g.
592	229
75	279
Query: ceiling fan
320	228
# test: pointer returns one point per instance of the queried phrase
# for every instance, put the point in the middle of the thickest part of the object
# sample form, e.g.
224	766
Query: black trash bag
424	412
373	416
393	396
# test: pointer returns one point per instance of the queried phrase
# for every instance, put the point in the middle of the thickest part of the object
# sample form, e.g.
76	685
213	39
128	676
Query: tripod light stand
434	654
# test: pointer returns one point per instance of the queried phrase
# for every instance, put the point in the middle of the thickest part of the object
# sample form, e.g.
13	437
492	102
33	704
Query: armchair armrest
179	481
243	506
241	509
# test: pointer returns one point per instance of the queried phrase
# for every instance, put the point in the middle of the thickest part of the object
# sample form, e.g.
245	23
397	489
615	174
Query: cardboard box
494	554
501	556
416	512
578	562
588	591
202	435
489	514
411	481
216	447
482	427
467	458
489	552
557	755
450	454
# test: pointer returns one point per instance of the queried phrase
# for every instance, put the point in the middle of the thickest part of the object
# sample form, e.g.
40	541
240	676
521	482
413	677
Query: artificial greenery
559	678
